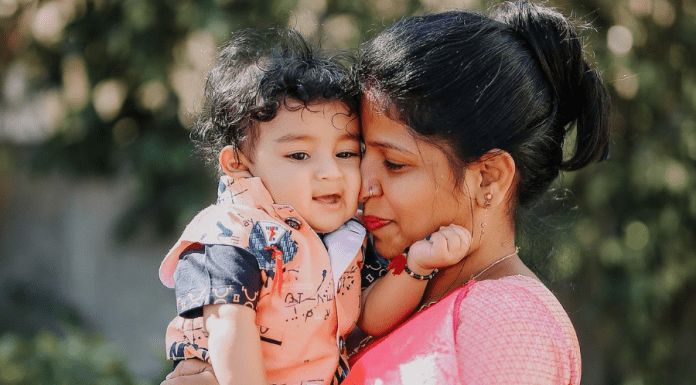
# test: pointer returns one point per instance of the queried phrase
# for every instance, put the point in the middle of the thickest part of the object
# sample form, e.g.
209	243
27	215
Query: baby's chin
325	227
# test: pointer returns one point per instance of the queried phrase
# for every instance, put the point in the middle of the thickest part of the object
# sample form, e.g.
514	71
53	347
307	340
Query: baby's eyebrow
292	138
351	136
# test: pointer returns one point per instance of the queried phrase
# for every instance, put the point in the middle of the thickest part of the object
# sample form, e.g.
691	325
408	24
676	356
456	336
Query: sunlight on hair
664	13
152	95
108	98
626	83
637	235
75	82
619	40
640	7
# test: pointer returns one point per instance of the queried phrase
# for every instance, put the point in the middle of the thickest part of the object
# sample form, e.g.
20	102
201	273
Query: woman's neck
492	258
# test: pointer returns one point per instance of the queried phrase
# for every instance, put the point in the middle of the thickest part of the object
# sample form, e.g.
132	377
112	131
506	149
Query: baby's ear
234	163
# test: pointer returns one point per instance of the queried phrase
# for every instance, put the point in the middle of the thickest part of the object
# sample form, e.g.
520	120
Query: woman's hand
191	372
445	247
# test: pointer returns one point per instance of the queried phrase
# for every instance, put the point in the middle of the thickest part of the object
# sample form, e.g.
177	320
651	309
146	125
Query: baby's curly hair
255	73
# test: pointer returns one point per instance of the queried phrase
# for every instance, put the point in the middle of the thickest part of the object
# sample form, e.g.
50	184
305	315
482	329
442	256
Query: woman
464	120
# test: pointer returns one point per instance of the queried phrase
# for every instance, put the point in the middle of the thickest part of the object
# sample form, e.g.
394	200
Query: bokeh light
342	30
108	98
152	95
619	40
664	13
626	83
75	82
48	23
8	8
637	235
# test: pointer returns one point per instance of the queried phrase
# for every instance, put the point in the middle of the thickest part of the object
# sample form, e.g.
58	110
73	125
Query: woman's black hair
517	81
257	72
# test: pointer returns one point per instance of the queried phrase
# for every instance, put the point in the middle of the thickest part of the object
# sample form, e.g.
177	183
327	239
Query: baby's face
310	159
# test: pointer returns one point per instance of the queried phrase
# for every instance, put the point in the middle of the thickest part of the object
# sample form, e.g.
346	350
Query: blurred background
97	179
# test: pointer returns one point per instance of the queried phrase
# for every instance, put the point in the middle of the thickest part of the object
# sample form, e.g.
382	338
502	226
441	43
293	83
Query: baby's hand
442	248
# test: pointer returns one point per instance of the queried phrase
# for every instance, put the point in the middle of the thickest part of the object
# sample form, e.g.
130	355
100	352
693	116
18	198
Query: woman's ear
233	162
494	174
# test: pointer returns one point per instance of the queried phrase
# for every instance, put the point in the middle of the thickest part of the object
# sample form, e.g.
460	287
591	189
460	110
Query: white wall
57	232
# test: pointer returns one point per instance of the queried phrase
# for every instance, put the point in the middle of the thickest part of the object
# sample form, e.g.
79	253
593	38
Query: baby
267	280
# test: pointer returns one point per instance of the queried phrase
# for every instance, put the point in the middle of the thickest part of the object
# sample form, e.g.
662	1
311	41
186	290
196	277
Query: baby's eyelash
298	156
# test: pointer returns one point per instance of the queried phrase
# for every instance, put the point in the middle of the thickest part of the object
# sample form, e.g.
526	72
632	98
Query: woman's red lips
374	223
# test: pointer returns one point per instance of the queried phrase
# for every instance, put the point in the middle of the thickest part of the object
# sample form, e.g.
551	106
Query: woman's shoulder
515	324
511	298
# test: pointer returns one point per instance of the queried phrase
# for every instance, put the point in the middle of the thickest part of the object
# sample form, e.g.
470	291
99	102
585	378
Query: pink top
511	330
514	331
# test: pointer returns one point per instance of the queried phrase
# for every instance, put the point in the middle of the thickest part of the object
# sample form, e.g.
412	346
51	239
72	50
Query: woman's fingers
189	368
203	378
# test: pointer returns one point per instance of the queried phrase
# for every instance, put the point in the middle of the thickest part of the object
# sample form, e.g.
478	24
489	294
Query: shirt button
293	222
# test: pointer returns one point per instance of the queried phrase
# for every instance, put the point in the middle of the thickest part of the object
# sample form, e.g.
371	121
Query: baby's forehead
328	121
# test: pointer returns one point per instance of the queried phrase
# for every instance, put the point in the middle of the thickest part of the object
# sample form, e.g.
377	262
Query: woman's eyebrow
389	146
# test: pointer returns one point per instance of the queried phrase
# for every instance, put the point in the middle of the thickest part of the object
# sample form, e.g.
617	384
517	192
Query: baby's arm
234	344
392	298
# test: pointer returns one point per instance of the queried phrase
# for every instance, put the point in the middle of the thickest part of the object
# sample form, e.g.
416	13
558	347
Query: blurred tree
118	83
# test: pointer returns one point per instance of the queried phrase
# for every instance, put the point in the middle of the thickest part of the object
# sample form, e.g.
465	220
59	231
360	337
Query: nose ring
371	192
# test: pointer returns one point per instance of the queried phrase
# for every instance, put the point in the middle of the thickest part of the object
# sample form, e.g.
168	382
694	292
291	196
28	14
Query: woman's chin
388	250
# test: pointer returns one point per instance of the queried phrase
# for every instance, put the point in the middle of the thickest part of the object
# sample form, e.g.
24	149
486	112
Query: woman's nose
369	189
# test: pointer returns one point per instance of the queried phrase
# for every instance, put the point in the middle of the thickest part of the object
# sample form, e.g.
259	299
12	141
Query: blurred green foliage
46	358
126	75
43	340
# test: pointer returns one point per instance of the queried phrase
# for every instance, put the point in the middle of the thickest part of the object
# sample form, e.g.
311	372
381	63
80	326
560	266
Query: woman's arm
234	344
392	298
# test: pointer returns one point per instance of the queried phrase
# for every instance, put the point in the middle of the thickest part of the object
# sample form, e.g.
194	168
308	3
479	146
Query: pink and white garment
309	296
511	330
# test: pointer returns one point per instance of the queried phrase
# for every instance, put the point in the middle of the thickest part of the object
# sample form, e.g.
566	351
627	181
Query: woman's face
413	189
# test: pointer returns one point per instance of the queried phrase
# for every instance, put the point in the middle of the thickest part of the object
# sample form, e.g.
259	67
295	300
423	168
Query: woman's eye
347	154
298	156
393	166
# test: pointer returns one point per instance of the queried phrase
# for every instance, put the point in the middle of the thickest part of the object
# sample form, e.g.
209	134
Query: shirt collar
243	191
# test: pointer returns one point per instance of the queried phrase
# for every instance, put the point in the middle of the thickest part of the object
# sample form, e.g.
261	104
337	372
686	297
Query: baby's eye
347	154
299	156
393	166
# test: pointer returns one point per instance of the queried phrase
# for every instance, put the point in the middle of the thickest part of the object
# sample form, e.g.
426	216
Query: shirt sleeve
216	274
374	266
510	337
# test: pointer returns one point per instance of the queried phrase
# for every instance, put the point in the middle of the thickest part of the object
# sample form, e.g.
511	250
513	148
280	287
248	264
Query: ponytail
578	91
